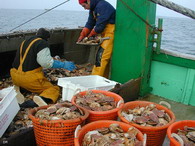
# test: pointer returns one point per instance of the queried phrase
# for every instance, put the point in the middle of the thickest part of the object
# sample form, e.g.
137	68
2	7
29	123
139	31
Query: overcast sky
73	5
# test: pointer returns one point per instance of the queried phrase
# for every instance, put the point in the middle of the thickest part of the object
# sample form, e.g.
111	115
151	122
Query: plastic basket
103	115
55	132
155	135
175	126
90	82
100	124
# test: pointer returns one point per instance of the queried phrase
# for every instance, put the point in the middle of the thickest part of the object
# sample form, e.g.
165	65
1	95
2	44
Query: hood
93	4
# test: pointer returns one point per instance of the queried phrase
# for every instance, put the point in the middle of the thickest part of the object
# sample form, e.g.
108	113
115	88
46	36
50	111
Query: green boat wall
133	43
173	78
133	57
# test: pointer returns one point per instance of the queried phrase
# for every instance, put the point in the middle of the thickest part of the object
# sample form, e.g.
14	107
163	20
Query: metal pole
159	35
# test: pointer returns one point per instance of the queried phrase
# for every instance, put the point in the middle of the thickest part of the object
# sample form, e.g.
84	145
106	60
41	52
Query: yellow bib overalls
107	45
33	81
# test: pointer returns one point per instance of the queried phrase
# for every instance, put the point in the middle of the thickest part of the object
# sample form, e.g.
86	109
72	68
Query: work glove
92	33
66	65
69	65
83	34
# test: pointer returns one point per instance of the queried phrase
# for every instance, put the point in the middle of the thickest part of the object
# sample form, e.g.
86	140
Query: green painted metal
173	82
192	99
188	87
158	33
174	60
163	75
133	42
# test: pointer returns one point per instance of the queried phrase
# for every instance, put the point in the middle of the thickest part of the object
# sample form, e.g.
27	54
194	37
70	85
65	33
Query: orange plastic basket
100	124
155	135
102	115
175	126
55	132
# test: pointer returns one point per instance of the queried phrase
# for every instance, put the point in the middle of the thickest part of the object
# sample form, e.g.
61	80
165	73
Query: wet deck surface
181	111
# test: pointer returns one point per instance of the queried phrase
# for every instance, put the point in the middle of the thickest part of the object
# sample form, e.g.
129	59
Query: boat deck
181	111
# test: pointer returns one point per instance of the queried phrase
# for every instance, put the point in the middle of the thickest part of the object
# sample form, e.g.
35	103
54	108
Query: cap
82	1
43	33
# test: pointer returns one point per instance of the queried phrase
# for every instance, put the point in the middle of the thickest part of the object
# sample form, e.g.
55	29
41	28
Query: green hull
133	57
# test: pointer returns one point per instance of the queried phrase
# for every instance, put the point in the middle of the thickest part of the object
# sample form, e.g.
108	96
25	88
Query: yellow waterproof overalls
33	81
107	45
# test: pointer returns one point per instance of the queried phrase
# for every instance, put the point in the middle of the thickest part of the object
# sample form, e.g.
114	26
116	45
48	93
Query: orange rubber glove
92	33
83	34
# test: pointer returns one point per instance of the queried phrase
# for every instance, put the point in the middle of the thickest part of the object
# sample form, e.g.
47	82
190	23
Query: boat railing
179	9
178	54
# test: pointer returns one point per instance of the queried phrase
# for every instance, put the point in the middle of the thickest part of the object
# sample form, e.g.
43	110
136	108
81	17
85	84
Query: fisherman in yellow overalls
31	57
101	20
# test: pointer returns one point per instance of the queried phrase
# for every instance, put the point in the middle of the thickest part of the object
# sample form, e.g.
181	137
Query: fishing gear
40	15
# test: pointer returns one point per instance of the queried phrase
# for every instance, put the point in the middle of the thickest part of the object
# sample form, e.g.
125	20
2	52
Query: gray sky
73	5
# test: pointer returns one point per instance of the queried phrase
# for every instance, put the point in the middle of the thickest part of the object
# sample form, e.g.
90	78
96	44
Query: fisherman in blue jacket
31	57
101	20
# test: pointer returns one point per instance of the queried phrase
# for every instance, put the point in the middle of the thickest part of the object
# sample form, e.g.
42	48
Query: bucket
155	135
175	126
100	124
103	115
55	132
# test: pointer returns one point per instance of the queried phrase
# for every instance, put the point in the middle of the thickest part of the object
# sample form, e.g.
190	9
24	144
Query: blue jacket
101	13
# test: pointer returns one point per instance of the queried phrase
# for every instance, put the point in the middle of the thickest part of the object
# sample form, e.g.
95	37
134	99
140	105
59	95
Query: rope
40	15
175	7
139	16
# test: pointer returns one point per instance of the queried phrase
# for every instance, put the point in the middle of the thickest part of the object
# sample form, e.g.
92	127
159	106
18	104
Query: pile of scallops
95	101
59	111
113	135
147	116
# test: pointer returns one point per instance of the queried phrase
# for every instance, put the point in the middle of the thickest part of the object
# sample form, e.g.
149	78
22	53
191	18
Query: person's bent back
31	57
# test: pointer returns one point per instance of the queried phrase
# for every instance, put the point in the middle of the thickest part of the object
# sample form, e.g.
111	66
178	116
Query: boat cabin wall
62	43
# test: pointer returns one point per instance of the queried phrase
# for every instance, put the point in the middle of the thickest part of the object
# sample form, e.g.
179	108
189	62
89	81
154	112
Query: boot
39	101
28	104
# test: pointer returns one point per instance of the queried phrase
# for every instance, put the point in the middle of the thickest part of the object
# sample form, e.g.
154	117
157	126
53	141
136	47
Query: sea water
178	33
